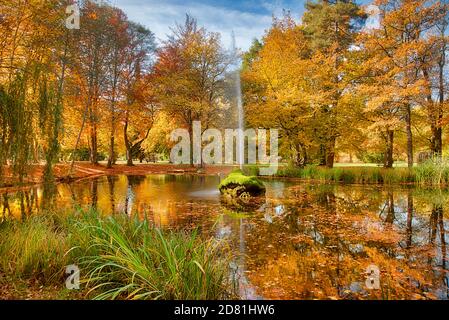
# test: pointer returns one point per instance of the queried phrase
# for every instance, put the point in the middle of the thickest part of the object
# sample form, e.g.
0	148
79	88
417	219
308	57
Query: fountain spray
238	95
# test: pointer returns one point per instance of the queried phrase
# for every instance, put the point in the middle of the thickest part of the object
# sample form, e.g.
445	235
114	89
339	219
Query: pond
302	241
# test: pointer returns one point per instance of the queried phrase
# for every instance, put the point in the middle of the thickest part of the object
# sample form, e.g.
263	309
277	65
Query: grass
33	249
433	172
119	258
351	175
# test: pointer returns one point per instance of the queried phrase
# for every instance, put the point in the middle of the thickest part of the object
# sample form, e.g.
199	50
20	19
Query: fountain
238	95
237	184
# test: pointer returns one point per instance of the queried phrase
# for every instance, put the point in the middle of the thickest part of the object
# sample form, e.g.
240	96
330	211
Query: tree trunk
93	144
330	153
78	138
388	158
191	144
93	134
437	135
408	124
322	155
437	132
129	156
436	143
111	151
435	114
111	159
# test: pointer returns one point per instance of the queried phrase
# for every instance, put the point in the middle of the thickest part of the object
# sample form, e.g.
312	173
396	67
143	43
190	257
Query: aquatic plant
34	248
119	257
433	171
131	259
349	175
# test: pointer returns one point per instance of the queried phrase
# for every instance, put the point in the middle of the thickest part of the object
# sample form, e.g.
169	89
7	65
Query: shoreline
85	170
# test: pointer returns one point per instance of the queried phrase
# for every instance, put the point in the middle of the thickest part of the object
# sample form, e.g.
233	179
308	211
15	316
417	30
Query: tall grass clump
129	259
34	248
119	257
350	175
434	171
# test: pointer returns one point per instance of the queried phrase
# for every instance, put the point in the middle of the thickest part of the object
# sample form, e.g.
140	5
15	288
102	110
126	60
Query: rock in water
237	184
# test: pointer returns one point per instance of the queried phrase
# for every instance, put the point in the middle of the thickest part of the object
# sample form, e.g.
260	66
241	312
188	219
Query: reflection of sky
248	18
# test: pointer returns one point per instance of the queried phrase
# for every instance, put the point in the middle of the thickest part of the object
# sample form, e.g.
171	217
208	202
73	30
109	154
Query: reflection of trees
322	249
409	230
29	202
133	182
20	204
94	193
437	214
111	185
390	208
436	225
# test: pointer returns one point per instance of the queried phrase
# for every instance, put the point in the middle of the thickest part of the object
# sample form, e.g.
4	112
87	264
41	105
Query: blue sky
247	18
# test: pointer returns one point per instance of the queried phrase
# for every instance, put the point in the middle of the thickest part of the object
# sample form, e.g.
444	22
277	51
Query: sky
247	18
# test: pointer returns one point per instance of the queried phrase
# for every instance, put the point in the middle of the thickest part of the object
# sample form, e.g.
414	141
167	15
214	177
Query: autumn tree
119	40
93	46
139	105
331	28
189	74
292	85
277	90
395	52
433	62
33	64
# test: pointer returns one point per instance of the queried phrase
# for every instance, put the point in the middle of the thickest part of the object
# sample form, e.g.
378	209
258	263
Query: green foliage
120	258
434	171
321	17
251	54
81	154
130	259
34	248
16	125
371	157
349	175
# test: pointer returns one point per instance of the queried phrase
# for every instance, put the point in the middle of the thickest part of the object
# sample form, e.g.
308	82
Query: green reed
119	257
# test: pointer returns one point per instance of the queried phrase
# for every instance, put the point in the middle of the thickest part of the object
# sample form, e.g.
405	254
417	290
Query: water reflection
304	241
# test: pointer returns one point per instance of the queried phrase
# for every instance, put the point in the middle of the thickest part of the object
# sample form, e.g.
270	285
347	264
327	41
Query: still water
302	241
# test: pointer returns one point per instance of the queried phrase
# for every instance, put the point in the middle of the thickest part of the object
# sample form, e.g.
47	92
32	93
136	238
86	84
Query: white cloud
159	17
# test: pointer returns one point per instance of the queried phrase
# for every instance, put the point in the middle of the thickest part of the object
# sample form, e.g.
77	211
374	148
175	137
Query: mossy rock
237	184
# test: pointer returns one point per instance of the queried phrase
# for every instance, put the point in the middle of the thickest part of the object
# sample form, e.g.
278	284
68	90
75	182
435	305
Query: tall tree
93	46
139	106
190	71
331	27
396	51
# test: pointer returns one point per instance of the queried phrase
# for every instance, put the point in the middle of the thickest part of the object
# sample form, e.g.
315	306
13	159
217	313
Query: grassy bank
432	172
119	258
359	175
